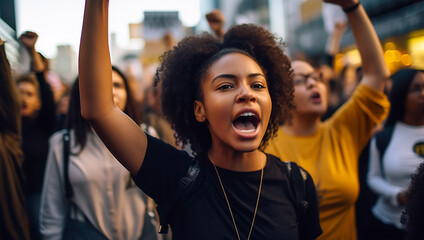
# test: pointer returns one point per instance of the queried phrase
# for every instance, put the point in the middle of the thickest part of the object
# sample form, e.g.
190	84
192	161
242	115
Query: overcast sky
59	22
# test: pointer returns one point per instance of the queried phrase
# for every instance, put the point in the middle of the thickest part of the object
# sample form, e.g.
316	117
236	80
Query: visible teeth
247	131
247	114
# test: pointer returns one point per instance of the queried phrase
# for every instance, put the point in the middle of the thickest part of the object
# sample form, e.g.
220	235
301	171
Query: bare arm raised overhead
28	39
216	22
120	134
374	68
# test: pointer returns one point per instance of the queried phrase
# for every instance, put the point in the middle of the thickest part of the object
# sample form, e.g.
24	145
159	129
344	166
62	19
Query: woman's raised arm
374	67
120	134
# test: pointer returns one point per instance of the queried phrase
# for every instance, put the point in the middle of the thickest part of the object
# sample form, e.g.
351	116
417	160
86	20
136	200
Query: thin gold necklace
229	207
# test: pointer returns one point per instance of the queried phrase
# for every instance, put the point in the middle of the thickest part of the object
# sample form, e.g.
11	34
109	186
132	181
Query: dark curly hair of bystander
413	215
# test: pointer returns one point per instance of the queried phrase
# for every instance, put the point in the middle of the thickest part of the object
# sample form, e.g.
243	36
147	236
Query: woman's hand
28	39
216	22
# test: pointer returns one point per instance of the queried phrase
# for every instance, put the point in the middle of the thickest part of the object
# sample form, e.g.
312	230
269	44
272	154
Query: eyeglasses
302	79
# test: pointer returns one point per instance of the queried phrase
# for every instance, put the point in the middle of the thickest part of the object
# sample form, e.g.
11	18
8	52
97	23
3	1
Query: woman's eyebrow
226	75
256	75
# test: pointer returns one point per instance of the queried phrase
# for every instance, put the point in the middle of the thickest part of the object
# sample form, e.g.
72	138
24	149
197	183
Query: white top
101	191
401	159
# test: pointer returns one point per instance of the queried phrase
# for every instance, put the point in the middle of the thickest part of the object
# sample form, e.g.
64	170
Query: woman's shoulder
57	136
56	139
276	165
274	161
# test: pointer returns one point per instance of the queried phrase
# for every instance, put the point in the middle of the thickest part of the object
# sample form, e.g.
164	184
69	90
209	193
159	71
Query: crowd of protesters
234	139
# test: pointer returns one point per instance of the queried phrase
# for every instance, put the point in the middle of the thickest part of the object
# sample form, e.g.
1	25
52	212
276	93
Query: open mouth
246	122
316	97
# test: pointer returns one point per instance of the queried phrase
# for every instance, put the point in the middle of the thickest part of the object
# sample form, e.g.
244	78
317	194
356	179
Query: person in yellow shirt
329	150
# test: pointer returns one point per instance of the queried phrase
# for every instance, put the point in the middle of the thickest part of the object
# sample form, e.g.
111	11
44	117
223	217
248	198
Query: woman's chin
246	147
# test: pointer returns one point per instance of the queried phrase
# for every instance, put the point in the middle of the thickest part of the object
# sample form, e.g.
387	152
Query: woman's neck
414	119
237	161
302	126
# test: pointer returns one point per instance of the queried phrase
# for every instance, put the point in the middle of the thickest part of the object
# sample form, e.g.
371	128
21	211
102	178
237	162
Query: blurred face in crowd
236	103
119	91
414	103
31	102
310	91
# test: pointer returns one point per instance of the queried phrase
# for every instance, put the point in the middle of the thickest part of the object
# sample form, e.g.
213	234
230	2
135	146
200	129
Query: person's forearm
374	67
219	33
95	71
333	43
116	129
9	96
47	111
375	180
37	64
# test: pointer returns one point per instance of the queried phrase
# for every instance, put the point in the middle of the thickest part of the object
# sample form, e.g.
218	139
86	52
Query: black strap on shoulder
297	182
66	152
382	140
166	212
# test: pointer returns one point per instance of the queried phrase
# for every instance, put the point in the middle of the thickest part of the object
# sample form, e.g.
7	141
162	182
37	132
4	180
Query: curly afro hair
183	68
413	215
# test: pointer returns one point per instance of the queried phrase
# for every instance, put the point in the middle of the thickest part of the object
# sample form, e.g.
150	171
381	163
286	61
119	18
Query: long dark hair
9	106
401	80
131	109
80	126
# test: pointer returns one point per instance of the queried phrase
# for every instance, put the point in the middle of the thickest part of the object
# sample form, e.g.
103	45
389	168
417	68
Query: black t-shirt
204	213
35	138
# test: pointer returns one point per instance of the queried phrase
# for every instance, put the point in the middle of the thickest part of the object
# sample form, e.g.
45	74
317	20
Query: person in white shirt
390	170
105	199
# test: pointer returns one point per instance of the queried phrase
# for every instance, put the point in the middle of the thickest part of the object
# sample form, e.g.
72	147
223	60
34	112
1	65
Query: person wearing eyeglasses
329	149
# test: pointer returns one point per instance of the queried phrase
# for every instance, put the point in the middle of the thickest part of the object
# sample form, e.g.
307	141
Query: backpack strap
167	212
297	178
66	152
382	140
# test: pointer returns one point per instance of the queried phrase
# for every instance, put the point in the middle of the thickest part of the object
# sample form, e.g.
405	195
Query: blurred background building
8	30
399	25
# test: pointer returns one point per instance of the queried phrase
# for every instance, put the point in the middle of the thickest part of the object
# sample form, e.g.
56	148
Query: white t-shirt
103	191
400	160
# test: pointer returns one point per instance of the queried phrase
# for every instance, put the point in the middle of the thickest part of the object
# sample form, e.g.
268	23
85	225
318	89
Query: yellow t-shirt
331	157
